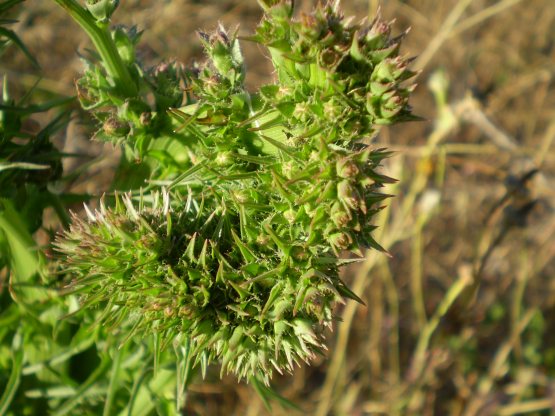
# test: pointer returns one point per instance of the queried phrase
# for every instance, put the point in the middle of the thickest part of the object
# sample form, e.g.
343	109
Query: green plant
227	246
241	258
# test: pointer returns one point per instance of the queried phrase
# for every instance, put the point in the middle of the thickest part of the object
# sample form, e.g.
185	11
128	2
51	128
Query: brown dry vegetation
460	320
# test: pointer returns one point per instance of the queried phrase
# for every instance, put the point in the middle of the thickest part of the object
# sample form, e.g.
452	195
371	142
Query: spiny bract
241	255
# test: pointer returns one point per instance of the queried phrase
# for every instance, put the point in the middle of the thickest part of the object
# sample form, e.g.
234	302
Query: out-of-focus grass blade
59	122
279	145
188	173
59	392
165	407
51	392
10	34
22	165
267	394
13	382
37	108
8	4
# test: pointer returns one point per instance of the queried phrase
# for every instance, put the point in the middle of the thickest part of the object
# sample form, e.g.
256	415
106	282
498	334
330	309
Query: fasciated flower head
244	262
177	271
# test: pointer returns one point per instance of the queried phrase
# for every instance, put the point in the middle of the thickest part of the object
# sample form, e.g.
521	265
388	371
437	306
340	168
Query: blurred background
460	320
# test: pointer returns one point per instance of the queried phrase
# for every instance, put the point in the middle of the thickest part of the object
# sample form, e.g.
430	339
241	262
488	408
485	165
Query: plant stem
100	36
419	358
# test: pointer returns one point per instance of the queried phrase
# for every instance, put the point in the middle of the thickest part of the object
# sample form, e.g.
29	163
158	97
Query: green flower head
241	256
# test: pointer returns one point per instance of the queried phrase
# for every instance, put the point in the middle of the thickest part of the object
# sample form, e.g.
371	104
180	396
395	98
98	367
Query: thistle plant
261	196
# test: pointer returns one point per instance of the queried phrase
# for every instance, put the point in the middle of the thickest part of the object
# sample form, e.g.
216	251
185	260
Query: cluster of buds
225	54
322	50
128	115
245	263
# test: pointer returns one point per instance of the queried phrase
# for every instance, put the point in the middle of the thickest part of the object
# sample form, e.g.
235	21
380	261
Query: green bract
240	255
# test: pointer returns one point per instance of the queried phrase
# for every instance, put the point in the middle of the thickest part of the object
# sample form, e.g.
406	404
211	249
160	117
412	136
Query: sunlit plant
262	195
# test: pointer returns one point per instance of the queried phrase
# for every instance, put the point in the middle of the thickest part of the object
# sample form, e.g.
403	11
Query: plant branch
100	36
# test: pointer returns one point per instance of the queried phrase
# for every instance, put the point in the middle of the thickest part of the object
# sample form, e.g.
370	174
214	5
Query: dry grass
460	319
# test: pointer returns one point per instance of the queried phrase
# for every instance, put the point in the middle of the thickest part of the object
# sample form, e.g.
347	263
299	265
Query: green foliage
34	345
9	37
233	213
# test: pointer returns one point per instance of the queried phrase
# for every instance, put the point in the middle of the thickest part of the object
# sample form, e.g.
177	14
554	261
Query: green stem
100	36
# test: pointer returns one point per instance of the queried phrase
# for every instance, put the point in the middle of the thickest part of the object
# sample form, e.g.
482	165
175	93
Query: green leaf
267	393
114	382
38	108
137	389
13	382
348	293
247	254
26	261
276	292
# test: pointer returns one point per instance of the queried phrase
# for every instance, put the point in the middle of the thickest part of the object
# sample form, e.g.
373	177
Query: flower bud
339	215
185	311
287	169
341	241
224	158
125	40
241	196
302	112
262	239
116	128
391	104
383	71
145	118
86	97
379	88
311	26
101	9
329	58
332	110
212	83
378	35
299	253
224	53
290	216
284	91
348	195
167	78
346	168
